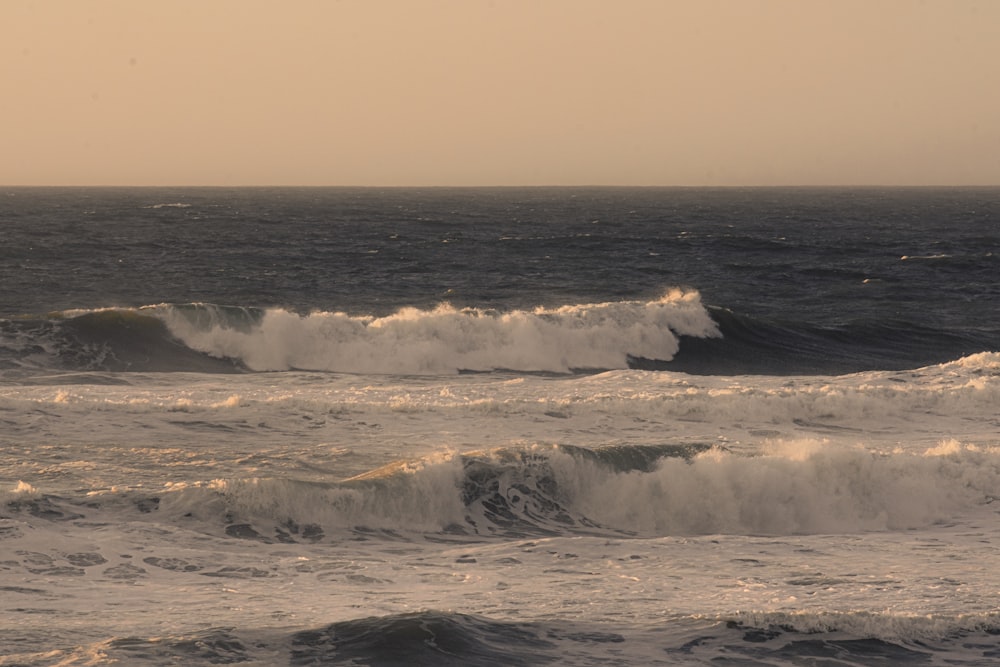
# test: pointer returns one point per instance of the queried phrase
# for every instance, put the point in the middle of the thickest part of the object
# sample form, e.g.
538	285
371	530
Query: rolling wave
674	333
446	339
210	338
641	491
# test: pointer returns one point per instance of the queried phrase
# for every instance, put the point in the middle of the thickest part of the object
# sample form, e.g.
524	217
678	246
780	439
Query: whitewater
479	427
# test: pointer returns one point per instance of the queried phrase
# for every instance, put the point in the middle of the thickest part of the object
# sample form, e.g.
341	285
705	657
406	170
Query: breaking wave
446	339
673	333
210	338
643	491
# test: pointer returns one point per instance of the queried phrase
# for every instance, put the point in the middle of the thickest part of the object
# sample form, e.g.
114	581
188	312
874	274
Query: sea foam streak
447	339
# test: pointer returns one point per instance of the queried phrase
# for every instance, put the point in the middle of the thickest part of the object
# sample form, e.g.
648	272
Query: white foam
796	488
447	339
20	491
230	425
421	497
824	489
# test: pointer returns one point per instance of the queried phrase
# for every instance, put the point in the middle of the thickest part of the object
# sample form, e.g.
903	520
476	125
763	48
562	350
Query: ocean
500	426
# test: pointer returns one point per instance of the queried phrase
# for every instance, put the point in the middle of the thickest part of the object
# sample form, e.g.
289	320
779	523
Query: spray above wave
598	336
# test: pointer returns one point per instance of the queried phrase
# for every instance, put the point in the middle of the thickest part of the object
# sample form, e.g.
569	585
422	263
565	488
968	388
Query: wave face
210	338
424	638
446	339
759	346
673	333
624	491
116	340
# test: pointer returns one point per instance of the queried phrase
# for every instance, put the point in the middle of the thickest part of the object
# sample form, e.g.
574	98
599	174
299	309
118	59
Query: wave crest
446	339
798	488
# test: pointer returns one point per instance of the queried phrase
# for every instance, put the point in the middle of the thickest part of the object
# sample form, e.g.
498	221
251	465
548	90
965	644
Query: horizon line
508	186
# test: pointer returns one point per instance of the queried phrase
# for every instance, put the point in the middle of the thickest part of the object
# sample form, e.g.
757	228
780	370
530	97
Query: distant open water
499	426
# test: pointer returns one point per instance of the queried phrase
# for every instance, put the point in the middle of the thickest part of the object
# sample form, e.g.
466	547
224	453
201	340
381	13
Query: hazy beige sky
502	92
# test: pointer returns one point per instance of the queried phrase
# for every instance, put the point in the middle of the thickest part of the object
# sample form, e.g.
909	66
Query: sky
499	92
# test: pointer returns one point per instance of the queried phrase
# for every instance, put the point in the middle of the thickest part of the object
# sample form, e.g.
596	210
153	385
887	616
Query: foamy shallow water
160	589
158	518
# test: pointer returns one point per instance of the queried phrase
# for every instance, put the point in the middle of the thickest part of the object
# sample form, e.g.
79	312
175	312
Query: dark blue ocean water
799	280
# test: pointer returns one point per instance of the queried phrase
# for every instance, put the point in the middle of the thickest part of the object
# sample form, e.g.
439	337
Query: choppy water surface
499	426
